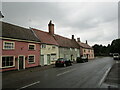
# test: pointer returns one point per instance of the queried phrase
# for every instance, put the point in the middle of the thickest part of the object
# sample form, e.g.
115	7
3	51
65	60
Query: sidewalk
113	78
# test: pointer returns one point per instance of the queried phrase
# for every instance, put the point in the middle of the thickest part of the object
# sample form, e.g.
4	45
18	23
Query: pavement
112	79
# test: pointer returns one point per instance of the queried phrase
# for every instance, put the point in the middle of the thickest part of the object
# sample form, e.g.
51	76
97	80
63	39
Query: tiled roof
17	32
45	37
84	45
65	42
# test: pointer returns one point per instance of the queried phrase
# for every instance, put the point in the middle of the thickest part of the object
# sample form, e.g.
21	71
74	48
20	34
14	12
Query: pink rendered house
20	48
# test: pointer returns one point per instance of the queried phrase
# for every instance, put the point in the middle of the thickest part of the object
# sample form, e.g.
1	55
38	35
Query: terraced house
85	49
54	46
20	48
49	46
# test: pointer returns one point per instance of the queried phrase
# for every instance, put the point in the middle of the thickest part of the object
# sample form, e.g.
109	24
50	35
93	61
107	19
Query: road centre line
29	85
65	72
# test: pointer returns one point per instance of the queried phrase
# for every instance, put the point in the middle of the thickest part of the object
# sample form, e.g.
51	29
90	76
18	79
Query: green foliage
101	50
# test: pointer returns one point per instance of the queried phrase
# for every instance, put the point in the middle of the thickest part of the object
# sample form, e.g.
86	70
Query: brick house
85	49
20	48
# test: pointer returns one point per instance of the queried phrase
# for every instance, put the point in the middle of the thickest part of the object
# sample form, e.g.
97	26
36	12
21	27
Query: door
21	62
48	59
42	60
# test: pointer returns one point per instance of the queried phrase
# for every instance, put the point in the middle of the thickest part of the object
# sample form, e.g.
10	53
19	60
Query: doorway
21	62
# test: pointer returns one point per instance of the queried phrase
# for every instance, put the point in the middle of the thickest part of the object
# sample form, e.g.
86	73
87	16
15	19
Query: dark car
79	60
84	58
63	62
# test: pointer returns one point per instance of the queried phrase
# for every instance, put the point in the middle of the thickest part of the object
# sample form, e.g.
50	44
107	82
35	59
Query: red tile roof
45	37
65	42
84	45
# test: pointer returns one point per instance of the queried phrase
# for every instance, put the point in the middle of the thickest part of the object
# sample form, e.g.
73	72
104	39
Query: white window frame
31	62
34	46
43	45
75	49
7	66
8	48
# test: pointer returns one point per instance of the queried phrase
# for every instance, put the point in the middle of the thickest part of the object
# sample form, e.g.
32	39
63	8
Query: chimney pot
78	39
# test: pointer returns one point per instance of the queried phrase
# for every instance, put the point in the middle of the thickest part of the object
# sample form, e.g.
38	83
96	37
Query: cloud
92	21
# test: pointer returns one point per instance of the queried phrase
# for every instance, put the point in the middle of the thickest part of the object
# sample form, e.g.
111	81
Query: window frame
43	46
31	62
7	66
34	47
8	48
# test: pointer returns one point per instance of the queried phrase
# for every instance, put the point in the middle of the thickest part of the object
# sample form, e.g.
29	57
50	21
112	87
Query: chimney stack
78	39
51	27
86	42
72	36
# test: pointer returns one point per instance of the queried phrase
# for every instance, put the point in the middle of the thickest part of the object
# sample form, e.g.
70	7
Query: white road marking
29	85
65	72
103	78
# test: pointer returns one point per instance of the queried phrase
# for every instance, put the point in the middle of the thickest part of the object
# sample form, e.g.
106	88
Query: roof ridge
15	25
39	30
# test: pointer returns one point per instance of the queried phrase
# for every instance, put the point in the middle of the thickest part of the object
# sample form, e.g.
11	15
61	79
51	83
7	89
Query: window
84	50
53	47
8	45
75	49
88	50
7	61
31	47
43	46
31	59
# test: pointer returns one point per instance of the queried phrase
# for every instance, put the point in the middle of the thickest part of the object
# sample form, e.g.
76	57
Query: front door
48	59
42	60
21	62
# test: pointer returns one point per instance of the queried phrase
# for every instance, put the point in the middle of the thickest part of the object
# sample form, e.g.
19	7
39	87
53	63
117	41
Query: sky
96	22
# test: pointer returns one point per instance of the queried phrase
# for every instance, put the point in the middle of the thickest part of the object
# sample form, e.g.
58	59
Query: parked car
79	60
116	56
84	58
63	62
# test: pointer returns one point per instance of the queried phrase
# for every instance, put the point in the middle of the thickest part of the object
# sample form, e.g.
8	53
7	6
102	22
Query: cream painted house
68	48
49	53
49	47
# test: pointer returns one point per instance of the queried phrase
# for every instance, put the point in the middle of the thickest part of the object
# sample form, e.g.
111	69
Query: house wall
90	53
51	50
69	53
21	48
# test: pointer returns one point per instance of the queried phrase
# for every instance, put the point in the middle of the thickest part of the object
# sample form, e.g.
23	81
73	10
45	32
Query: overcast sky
96	22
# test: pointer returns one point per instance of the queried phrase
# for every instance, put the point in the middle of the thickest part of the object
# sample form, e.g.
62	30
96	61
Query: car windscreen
116	54
60	59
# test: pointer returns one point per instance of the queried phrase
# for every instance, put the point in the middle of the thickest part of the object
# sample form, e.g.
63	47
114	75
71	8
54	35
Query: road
81	75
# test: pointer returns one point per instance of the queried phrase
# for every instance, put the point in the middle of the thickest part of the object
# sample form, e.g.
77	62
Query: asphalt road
81	75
